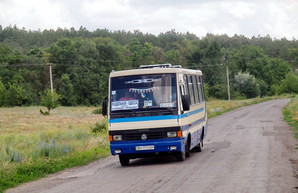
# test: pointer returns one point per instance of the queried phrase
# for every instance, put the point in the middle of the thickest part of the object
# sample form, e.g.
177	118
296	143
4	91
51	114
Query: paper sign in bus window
148	103
125	105
165	105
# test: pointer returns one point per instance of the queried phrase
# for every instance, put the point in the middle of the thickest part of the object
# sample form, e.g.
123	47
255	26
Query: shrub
2	93
289	84
100	126
97	111
49	100
247	85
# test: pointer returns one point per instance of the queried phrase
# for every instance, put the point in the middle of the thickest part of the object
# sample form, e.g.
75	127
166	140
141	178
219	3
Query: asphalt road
248	150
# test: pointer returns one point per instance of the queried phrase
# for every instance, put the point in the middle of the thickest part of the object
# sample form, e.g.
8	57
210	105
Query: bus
156	109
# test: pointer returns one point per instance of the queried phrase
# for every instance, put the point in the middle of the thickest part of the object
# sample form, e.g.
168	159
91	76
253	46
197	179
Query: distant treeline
82	59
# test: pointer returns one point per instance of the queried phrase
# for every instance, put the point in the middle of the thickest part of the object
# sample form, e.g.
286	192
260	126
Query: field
33	145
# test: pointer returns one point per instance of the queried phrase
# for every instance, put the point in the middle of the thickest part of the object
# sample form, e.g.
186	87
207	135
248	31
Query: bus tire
180	156
124	160
187	148
199	147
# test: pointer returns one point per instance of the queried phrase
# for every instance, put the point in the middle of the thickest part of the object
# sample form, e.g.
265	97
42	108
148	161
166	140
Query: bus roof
154	70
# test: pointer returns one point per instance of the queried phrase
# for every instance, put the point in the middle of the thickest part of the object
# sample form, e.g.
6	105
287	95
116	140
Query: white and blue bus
156	109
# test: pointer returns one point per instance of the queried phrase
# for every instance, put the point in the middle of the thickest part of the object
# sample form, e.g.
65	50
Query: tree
206	55
289	84
67	91
15	94
141	53
247	85
2	94
250	59
293	53
87	57
172	56
49	100
275	71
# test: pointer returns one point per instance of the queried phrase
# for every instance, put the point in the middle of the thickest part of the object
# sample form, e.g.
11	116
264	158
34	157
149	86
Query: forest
81	61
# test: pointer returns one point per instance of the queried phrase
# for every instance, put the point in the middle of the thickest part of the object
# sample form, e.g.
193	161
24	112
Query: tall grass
32	145
291	115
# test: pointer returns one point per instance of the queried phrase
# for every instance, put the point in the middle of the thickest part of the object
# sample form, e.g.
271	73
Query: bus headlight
117	137
172	134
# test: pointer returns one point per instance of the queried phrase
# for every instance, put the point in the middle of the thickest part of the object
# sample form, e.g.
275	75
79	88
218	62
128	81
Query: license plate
148	147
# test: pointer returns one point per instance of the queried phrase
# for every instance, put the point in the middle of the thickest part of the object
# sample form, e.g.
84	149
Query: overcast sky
278	18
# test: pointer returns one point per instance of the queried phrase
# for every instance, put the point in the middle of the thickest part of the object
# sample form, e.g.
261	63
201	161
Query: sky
276	18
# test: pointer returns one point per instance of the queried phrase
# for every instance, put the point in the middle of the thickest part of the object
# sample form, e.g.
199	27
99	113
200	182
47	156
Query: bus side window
202	88
182	93
185	87
191	92
199	88
195	88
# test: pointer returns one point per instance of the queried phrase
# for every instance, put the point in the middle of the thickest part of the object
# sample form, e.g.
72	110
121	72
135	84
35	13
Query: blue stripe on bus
195	123
191	113
155	118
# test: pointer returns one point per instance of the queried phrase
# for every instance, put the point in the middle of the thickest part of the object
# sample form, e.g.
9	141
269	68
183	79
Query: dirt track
249	150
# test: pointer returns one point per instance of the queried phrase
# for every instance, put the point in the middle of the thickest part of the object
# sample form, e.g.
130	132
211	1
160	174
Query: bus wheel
124	160
199	147
187	148
180	156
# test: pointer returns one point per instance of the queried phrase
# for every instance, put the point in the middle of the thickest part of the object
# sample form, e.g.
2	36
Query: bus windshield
143	92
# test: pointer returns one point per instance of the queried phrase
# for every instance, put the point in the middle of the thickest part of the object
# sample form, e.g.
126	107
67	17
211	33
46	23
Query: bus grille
138	136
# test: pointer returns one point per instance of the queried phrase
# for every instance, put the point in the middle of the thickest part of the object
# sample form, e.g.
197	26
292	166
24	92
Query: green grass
36	168
33	146
217	107
291	115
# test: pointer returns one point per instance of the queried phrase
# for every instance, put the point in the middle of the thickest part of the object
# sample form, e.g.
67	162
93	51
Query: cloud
281	19
250	18
33	14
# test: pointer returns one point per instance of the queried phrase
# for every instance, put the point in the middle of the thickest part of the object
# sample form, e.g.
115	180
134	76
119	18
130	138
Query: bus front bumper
147	147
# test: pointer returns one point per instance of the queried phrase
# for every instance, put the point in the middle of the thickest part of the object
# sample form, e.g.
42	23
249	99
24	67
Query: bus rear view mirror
104	107
185	102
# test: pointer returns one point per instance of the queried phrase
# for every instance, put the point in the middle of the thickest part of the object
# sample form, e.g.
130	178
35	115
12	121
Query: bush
49	100
289	84
100	126
97	111
247	85
2	93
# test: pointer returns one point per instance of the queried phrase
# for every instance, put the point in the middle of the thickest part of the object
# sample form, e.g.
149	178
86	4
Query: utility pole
227	71
51	78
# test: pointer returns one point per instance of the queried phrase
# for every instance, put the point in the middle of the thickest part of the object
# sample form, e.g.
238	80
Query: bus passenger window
195	86
202	88
199	89
190	86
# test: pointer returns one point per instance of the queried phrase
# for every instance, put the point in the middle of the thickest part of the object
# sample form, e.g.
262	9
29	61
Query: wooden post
51	78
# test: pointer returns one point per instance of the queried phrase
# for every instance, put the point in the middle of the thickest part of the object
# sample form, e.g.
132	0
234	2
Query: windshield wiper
155	109
123	111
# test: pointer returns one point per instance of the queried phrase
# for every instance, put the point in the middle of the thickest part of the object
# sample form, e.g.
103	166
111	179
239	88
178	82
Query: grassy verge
291	115
217	107
33	145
